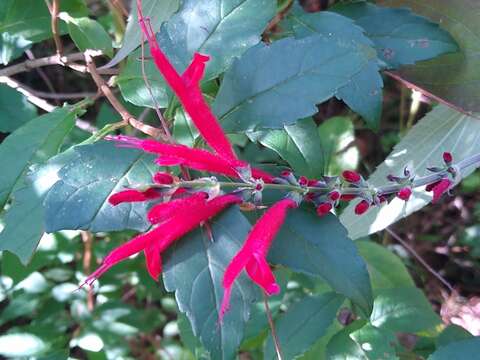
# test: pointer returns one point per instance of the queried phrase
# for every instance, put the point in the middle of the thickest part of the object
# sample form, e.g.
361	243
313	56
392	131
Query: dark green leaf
297	144
78	200
87	33
461	350
194	268
403	310
274	85
400	36
452	333
459	82
321	247
31	19
157	11
386	269
11	47
303	324
15	110
363	94
184	131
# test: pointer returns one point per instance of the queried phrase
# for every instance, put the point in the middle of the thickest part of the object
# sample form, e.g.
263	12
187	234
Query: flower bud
324	208
405	193
163	178
362	207
448	158
351	176
334	195
303	181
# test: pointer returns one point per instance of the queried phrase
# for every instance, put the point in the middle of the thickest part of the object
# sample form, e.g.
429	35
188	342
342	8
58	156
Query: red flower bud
303	181
362	207
405	193
132	195
351	176
439	188
447	157
285	173
334	195
163	178
324	208
347	197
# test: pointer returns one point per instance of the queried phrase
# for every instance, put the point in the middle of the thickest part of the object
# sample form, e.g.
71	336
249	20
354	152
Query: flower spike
252	255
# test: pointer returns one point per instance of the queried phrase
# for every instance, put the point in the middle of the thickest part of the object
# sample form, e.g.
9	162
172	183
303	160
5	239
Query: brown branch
419	259
124	114
55	29
272	328
87	239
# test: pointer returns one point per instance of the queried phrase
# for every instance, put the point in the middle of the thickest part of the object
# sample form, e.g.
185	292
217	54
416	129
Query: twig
272	327
87	239
124	114
54	24
118	4
41	73
420	259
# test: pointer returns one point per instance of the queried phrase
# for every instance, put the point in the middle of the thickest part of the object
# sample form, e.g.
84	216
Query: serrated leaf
194	268
298	144
386	269
31	19
275	85
320	247
461	350
443	129
400	36
303	324
157	11
15	110
78	200
363	93
222	29
459	82
403	310
11	47
87	33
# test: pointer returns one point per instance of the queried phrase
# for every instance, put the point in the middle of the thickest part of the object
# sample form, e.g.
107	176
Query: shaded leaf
459	82
443	129
78	200
304	322
15	110
321	247
460	350
257	91
451	334
194	268
11	47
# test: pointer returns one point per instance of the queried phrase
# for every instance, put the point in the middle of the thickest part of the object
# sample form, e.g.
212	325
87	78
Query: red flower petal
447	157
133	196
162	211
153	261
440	188
163	178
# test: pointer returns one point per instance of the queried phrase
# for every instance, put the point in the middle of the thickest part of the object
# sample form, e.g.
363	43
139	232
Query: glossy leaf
320	247
443	129
298	144
194	268
400	36
157	11
184	131
363	94
87	33
11	47
461	350
459	82
15	110
256	91
303	324
451	334
78	200
403	310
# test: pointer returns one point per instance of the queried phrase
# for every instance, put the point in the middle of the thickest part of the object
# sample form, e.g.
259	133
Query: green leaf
386	269
223	29
11	47
31	19
321	247
460	80
15	110
365	343
443	129
461	350
87	33
256	91
194	268
34	142
303	324
78	200
400	36
157	11
297	144
184	131
452	333
30	345
363	93
403	310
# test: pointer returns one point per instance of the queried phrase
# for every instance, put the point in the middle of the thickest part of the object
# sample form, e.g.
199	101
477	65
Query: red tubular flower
405	193
162	178
324	208
154	242
133	196
198	159
187	89
163	211
351	176
252	255
362	207
439	188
